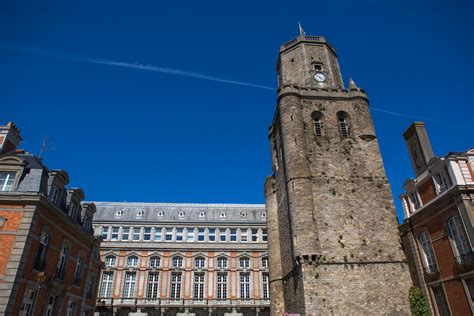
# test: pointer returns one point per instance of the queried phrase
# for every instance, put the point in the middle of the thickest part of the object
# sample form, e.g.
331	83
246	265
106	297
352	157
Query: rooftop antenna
302	32
45	145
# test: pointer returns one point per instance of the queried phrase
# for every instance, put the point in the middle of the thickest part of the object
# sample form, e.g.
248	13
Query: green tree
418	302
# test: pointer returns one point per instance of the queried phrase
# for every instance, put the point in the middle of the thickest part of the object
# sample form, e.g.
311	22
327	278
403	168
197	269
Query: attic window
202	214
6	181
243	215
139	213
222	215
181	214
160	213
119	213
263	215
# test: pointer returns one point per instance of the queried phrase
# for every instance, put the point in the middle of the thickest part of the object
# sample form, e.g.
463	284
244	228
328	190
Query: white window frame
9	181
28	303
200	262
106	284
129	284
221	280
155	262
199	285
177	262
153	286
427	252
132	261
458	237
244	286
222	262
176	284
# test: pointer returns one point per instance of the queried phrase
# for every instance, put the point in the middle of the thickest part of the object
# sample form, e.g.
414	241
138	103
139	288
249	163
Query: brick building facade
438	232
334	246
49	261
182	259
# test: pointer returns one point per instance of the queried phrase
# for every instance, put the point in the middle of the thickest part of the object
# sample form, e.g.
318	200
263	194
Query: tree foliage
418	302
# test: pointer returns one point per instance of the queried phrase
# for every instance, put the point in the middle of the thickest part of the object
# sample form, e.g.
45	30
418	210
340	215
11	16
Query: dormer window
243	215
181	214
55	194
202	214
160	214
263	215
222	215
6	181
140	213
119	213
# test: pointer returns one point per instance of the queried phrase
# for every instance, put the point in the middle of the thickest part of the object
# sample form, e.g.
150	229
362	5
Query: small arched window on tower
318	123
343	121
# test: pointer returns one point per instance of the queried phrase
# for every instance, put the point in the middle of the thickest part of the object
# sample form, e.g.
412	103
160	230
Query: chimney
9	138
419	147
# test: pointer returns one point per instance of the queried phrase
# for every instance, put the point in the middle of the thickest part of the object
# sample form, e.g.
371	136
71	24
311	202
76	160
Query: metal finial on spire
302	32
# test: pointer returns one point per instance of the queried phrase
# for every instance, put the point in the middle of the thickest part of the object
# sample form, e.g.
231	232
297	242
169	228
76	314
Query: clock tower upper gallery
308	62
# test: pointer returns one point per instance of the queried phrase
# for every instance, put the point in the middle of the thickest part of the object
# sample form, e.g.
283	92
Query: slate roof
106	212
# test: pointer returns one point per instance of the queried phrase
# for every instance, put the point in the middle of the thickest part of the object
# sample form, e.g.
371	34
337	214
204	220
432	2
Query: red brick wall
447	264
13	219
427	191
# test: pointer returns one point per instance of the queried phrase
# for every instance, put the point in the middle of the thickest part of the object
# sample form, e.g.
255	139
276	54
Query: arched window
199	262
132	261
177	262
244	262
318	123
222	262
155	262
41	252
458	237
427	252
63	256
110	261
343	121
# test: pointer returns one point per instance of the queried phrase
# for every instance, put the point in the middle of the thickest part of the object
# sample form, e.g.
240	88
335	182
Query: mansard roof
106	212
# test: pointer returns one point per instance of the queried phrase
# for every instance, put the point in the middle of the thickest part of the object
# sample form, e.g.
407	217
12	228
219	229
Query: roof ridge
168	204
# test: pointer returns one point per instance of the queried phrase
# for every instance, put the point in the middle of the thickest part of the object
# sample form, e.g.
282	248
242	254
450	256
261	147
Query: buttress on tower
333	242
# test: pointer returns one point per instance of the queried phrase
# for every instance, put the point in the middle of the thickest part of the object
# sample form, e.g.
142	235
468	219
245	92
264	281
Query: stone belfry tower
333	239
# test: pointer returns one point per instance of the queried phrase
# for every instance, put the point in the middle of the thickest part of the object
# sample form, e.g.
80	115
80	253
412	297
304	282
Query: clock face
319	77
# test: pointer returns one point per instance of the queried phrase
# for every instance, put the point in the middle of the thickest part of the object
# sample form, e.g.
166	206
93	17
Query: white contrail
177	72
170	71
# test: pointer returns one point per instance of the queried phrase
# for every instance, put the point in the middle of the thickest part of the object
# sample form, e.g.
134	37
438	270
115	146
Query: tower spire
352	85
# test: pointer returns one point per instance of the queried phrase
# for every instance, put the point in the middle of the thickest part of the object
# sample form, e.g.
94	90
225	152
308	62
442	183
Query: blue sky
128	134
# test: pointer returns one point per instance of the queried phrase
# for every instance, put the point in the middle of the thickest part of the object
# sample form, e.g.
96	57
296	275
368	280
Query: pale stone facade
334	246
183	259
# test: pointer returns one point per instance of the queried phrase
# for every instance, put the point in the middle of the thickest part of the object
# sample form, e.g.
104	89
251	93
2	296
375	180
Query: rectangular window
222	234
153	284
168	233
440	299
136	233
212	234
318	67
129	284
6	181
157	233
50	306
106	284
27	306
190	234
199	286
147	233
233	234
244	286
470	289
266	286
71	306
244	235
254	235
179	234
175	291
105	233
115	233
414	200
125	233
264	235
201	234
221	286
